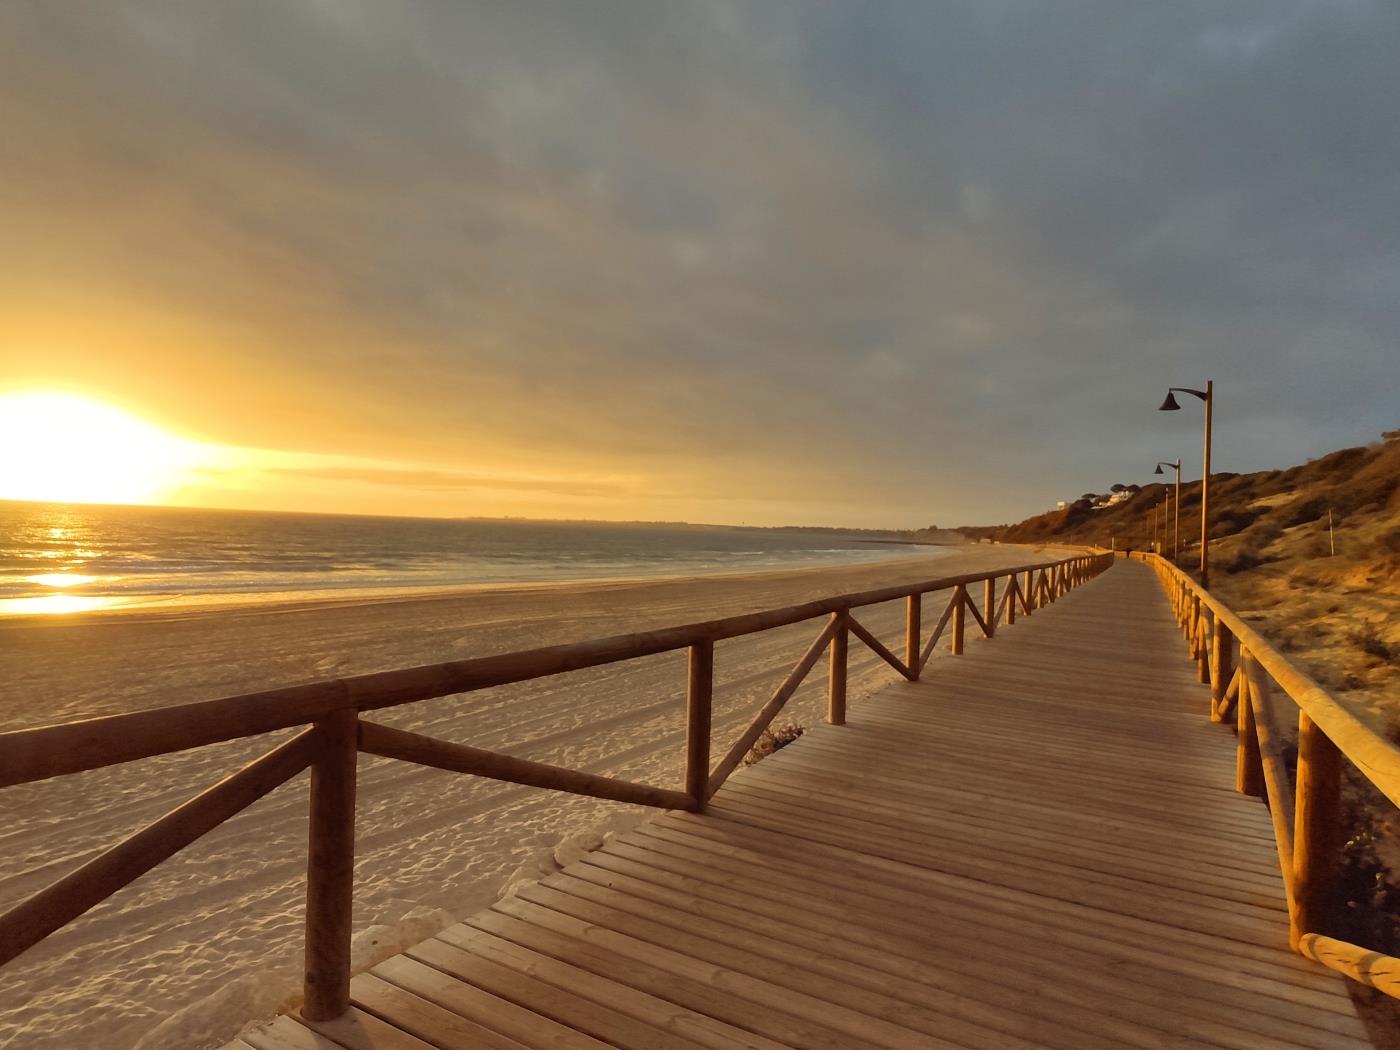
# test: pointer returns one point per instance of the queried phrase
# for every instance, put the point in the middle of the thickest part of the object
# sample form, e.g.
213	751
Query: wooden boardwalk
1038	845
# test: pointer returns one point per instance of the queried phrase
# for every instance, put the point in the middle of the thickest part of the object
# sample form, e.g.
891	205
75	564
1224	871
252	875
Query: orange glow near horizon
67	448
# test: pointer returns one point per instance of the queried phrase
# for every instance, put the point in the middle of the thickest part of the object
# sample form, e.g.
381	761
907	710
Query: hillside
1336	615
1272	557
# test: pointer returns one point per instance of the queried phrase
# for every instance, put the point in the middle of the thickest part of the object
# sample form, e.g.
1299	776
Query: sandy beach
224	918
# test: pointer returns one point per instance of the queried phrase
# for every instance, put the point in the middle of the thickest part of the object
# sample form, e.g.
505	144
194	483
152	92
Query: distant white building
1060	505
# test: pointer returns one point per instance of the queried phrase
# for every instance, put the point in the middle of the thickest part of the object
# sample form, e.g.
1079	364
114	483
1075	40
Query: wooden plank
470	1002
610	1011
743	999
357	1030
893	820
920	1007
732	999
777	859
1081	1017
894	941
849	887
283	1033
427	1020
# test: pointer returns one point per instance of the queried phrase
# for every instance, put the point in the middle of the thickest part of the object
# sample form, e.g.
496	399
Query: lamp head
1169	405
1158	470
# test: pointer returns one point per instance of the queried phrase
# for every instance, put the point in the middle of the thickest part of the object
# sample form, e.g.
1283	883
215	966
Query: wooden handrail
927	652
1370	752
1380	971
337	735
63	901
1306	817
770	710
878	647
387	742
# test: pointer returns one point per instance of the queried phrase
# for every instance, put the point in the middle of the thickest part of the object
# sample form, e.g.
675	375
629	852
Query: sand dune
231	906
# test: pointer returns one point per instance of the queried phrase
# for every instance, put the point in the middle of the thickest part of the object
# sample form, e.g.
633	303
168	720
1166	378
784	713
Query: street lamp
1176	517
1169	405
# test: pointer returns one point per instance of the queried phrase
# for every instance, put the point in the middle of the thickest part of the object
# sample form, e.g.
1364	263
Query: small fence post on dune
913	631
330	868
1317	833
836	686
699	702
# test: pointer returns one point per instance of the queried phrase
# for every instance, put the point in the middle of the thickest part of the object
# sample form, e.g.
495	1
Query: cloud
919	260
445	480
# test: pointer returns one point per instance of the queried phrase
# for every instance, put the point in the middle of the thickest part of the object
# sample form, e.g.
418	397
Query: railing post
913	633
1012	597
699	702
1029	592
959	597
330	867
1316	828
1222	666
1203	644
989	604
1249	766
836	686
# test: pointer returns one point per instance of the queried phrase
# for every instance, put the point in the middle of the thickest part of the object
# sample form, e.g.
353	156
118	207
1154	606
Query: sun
66	448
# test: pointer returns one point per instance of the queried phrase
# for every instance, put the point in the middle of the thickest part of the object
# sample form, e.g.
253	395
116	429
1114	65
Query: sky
863	263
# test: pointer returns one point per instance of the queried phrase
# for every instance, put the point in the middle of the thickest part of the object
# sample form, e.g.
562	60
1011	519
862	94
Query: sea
72	558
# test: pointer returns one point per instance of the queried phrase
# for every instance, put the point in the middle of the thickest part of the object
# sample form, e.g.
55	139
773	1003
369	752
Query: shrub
773	739
1300	513
1390	540
1368	640
1242	558
1234	519
1262	533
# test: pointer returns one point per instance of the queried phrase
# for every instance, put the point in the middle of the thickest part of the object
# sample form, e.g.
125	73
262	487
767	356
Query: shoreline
165	607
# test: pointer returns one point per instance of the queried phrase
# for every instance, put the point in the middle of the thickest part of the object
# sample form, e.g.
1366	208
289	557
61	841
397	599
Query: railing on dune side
336	733
1244	671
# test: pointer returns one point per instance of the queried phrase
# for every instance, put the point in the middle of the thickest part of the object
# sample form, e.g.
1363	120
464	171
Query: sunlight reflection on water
57	603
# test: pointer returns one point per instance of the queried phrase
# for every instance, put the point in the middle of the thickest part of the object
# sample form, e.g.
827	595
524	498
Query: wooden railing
1246	674
336	733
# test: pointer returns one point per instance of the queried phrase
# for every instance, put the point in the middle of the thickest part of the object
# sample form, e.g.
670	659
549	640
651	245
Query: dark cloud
906	259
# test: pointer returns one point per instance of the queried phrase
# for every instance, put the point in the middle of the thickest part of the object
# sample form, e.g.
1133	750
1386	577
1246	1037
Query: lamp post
1176	518
1169	405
